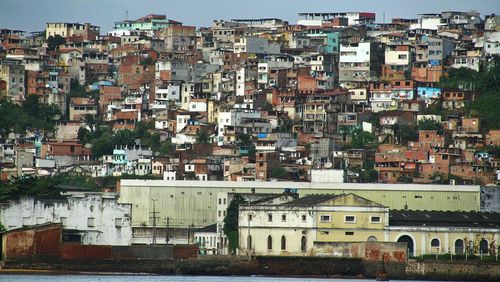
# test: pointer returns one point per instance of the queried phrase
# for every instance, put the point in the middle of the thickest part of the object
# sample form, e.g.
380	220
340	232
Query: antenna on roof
383	15
126	15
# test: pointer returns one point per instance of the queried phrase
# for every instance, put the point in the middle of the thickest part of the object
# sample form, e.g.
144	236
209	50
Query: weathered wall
490	199
371	251
86	252
375	251
110	225
33	244
48	242
19	244
95	252
141	251
184	251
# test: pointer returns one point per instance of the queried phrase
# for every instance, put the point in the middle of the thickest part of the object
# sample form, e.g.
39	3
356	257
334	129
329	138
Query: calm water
152	278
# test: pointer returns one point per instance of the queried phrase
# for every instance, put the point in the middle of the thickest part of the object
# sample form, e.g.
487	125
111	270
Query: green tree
190	176
124	137
84	135
91	121
485	86
279	173
406	133
77	90
430	124
166	149
361	139
231	223
53	42
405	178
31	105
102	145
203	137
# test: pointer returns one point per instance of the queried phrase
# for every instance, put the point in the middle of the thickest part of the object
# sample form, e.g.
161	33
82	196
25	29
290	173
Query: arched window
459	246
303	245
435	245
372	239
483	246
249	242
283	243
269	243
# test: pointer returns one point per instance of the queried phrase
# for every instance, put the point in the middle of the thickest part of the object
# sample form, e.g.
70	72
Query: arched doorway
483	246
410	245
459	247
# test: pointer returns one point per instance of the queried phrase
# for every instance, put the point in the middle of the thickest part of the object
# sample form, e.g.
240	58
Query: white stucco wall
111	221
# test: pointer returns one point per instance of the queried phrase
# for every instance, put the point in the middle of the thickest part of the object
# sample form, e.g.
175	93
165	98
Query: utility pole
154	217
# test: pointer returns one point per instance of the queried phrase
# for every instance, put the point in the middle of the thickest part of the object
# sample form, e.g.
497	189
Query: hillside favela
330	145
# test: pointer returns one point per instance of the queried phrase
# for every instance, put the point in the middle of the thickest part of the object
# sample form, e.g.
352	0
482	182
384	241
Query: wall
442	270
371	251
42	242
86	252
490	199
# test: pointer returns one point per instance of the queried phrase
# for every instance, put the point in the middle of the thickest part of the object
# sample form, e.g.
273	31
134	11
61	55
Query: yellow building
86	30
301	226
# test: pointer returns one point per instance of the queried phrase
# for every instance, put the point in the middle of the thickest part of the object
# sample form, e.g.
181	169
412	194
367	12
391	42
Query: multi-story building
12	72
359	63
179	38
86	30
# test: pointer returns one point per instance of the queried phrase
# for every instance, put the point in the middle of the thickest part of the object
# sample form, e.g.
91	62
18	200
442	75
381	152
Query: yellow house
299	226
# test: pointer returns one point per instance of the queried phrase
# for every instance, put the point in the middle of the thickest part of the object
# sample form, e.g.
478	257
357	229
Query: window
349	233
303	217
90	222
375	219
303	244
283	217
249	217
118	222
249	242
325	218
350	219
283	243
269	243
435	244
269	217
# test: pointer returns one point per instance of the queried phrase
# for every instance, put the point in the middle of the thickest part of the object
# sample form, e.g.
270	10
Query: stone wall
453	271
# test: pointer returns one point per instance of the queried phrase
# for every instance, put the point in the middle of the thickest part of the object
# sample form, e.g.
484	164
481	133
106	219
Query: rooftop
441	218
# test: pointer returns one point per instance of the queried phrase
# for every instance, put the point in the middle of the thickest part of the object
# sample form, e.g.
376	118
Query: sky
31	15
